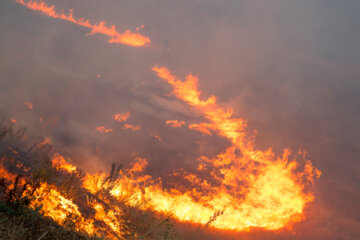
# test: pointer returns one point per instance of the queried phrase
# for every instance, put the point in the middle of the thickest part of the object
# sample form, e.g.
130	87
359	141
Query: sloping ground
40	201
31	226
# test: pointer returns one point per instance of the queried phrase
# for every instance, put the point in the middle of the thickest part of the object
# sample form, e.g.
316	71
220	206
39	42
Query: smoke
289	68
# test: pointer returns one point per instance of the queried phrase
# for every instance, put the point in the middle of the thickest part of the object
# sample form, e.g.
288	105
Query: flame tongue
256	189
127	37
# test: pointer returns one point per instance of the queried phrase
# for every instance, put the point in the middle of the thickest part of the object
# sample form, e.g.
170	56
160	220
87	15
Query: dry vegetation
19	219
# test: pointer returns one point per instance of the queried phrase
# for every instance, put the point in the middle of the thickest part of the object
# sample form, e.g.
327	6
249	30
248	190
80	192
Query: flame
131	127
13	120
59	208
255	188
4	173
239	189
52	203
63	210
60	163
175	123
204	128
122	117
134	39
103	129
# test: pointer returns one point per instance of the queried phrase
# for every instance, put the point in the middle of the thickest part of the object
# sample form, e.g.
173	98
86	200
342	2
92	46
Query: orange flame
204	128
131	127
175	123
53	204
122	117
60	163
255	188
58	207
134	39
103	129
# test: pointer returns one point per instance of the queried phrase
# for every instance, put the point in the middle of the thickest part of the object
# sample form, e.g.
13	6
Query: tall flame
254	188
134	39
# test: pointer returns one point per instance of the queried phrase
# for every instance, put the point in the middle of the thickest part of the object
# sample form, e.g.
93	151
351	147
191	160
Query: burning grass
240	189
134	39
44	197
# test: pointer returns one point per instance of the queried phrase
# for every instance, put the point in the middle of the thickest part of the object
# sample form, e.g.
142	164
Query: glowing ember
122	117
127	37
175	123
103	129
131	127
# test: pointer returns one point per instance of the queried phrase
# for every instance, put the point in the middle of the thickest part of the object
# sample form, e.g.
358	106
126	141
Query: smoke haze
290	68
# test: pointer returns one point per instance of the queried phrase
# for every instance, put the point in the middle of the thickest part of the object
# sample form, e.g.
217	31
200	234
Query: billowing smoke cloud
290	68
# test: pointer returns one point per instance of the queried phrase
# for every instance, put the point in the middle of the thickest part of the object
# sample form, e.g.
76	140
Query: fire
201	127
103	129
175	123
122	117
60	163
240	189
131	127
58	207
4	173
255	188
52	203
248	188
134	39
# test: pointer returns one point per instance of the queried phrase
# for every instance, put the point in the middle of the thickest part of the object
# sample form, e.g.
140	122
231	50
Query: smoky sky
290	68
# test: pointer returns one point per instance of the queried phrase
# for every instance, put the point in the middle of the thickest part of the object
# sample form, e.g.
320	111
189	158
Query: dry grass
18	221
19	227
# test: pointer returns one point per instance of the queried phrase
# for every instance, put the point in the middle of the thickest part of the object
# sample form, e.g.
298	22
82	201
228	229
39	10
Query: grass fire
180	120
244	188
